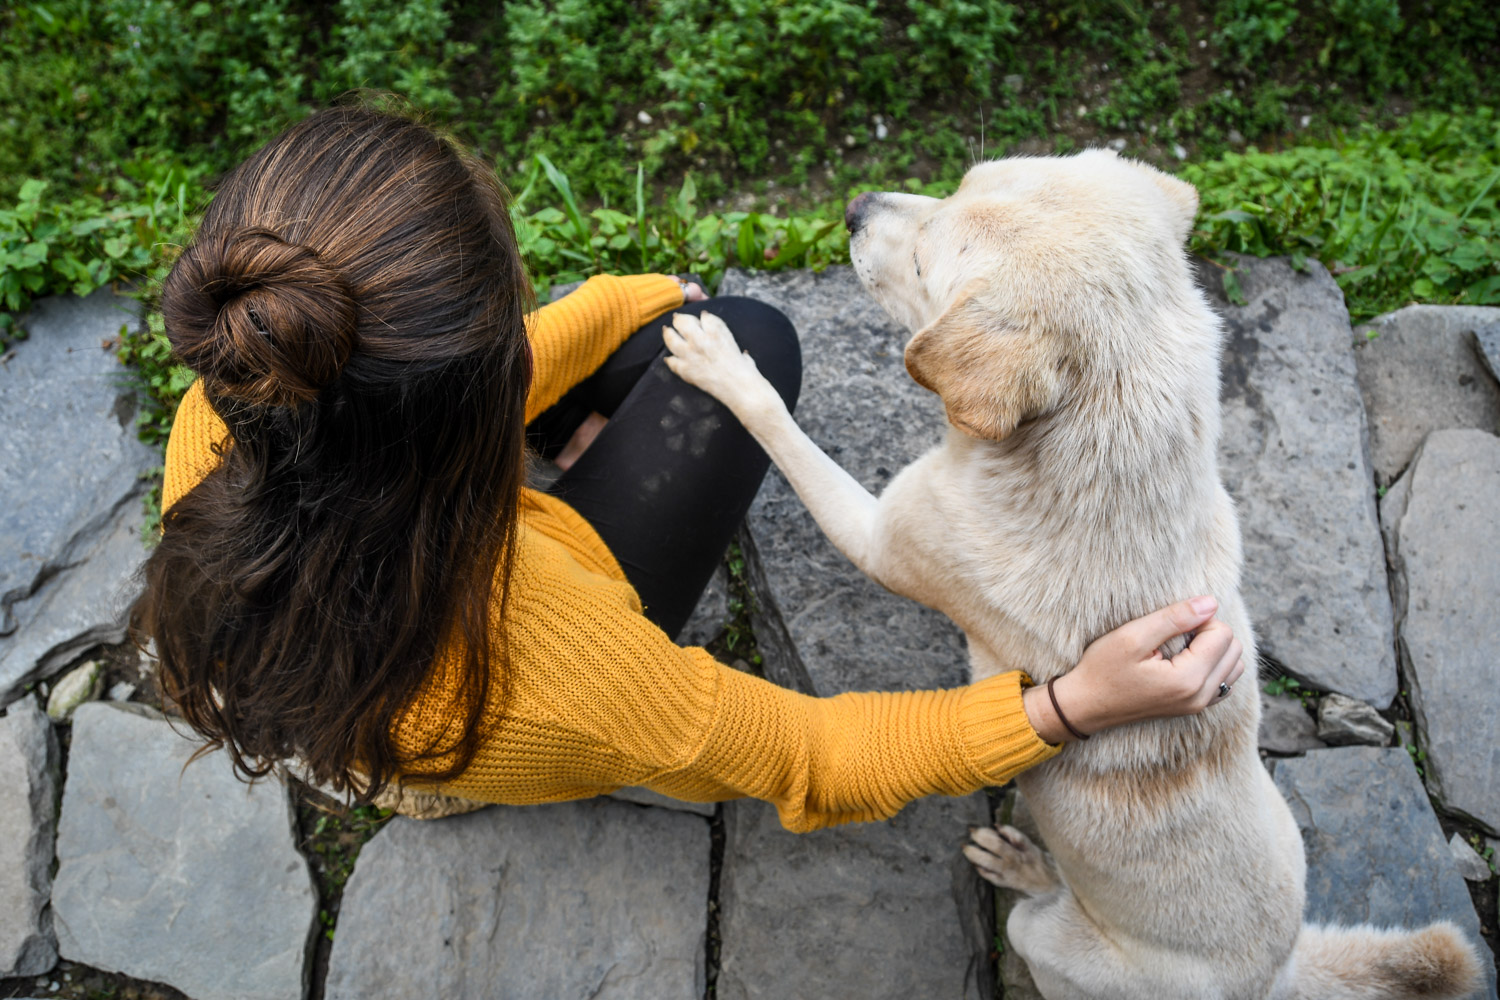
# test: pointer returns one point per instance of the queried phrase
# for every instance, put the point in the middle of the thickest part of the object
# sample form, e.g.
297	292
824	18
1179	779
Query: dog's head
1029	274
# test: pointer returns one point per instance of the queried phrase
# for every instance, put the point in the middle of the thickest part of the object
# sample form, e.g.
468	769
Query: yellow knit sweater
600	698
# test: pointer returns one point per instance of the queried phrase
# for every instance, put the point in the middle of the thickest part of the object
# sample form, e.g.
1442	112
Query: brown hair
354	303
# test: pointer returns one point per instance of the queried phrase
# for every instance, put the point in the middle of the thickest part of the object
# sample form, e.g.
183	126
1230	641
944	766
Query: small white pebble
1203	43
1083	109
849	141
1235	138
643	118
1306	120
1104	67
67	977
1179	151
881	132
53	986
1015	81
879	119
1118	145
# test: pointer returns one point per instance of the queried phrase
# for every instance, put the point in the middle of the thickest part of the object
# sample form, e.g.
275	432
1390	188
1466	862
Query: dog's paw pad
1006	857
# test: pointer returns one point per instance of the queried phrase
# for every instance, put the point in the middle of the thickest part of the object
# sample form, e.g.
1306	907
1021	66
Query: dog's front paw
1006	857
704	354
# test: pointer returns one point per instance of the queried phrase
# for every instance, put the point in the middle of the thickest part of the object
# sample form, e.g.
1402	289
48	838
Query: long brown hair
354	303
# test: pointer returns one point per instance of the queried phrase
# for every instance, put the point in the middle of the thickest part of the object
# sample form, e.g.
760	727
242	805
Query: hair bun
267	321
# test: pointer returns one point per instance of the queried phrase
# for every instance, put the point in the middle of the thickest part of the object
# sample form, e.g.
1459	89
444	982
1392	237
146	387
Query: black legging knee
672	474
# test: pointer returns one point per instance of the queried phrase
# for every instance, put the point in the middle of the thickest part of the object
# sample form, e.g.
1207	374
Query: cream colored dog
1078	487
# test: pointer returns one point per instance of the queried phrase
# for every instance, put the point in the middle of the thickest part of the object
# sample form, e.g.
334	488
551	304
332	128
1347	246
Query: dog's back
1080	489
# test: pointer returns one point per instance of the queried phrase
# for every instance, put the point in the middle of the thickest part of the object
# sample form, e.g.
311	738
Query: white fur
1054	311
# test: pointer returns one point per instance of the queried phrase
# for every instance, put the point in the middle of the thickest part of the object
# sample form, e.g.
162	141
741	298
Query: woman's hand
692	291
1124	678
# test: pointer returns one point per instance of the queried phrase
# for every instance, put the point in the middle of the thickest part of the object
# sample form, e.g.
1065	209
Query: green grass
773	97
1406	215
684	135
1401	215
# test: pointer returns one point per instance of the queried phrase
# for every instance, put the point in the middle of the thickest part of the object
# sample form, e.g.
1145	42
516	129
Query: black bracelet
1058	709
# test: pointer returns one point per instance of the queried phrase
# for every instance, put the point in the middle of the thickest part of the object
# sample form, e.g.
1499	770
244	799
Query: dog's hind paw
1006	857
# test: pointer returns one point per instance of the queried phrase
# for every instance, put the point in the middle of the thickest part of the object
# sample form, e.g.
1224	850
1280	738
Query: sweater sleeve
856	757
573	336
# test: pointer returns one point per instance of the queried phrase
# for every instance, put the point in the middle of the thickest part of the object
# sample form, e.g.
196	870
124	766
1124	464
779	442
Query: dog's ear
1184	198
990	377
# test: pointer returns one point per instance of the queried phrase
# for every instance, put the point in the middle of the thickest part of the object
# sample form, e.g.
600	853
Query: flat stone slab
1375	851
866	910
593	899
181	876
1293	453
1285	726
1442	521
71	465
862	408
1420	370
28	820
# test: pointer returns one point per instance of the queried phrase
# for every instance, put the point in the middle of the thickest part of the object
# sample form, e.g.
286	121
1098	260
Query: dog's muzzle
854	215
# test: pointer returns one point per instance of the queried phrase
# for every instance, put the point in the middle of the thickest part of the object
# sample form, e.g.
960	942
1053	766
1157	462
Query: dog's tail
1368	963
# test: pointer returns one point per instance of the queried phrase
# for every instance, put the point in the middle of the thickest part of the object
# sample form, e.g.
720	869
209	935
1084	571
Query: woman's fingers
1152	630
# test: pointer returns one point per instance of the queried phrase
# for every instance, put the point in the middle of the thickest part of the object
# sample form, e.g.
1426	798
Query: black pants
670	477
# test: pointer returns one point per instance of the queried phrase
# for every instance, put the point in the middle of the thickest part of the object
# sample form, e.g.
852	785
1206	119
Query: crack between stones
711	941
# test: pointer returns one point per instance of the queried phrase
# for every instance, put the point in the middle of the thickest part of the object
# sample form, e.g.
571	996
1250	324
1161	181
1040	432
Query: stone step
72	466
595	899
178	873
29	778
1293	453
865	910
1442	521
1375	851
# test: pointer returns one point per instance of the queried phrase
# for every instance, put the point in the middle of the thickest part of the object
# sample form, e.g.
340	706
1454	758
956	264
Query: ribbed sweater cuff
996	732
653	294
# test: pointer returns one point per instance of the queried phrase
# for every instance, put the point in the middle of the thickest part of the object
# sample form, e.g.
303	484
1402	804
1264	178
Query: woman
353	576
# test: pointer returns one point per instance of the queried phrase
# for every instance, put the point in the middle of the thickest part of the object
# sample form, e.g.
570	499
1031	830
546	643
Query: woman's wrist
1082	715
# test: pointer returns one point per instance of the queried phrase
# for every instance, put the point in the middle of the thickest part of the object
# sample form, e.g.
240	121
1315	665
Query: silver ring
1223	690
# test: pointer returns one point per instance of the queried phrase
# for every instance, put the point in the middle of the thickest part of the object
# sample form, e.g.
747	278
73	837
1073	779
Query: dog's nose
854	215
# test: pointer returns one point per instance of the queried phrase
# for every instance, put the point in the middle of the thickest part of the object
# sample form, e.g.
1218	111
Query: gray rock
869	910
1419	372
1443	527
585	899
1487	343
28	820
712	611
1343	721
184	876
75	610
71	465
1293	455
1285	726
1470	865
861	407
1375	851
